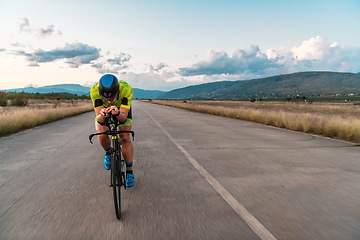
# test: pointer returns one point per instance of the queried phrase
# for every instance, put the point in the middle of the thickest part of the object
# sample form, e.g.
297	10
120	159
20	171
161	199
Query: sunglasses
110	99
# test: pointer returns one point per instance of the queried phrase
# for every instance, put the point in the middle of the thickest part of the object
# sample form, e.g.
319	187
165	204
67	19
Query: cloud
33	65
75	54
314	54
24	26
317	54
31	85
154	77
48	31
158	67
249	60
112	64
153	81
314	48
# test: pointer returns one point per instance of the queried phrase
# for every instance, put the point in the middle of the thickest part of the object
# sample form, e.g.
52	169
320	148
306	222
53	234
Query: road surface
197	177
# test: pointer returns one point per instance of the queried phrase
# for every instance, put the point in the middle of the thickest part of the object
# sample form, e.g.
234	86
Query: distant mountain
147	94
81	90
302	84
67	88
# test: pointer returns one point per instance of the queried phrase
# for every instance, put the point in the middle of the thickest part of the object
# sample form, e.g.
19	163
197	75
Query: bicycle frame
117	176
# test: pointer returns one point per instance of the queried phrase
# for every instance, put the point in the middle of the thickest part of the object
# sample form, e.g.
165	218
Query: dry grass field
37	112
335	120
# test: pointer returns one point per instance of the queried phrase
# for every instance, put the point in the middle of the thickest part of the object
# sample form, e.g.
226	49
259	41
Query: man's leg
127	146
105	142
128	152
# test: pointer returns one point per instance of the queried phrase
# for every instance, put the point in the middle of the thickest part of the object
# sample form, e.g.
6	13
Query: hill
81	90
296	84
147	94
59	88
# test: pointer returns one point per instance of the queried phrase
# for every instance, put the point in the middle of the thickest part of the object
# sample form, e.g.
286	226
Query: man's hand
104	112
114	110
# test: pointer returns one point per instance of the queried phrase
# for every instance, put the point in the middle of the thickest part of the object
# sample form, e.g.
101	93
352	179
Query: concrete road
197	177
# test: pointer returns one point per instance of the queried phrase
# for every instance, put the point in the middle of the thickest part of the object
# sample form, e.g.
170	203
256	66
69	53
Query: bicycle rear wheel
116	184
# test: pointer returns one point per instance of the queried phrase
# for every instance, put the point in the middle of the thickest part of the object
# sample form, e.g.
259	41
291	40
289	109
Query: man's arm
120	113
100	113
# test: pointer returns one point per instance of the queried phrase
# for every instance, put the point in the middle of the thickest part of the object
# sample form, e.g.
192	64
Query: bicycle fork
118	170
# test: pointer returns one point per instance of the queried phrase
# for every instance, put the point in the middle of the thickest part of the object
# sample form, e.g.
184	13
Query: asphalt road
197	177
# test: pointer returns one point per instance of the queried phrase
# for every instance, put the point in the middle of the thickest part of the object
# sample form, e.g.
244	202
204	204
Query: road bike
117	171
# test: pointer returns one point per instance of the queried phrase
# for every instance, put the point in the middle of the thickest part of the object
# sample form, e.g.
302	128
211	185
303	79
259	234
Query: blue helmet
108	86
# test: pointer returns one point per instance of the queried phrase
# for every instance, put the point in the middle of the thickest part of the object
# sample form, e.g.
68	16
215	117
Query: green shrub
20	100
3	99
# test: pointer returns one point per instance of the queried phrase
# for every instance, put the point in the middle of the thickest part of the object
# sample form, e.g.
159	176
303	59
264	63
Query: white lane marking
251	221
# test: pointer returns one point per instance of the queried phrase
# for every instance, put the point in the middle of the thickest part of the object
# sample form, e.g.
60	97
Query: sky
168	44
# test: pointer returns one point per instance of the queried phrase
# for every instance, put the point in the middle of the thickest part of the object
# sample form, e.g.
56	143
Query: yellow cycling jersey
124	100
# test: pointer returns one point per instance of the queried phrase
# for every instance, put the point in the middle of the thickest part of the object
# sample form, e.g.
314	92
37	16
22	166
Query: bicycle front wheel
116	184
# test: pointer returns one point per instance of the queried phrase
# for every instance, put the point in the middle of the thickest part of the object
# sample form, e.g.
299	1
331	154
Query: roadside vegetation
20	111
334	120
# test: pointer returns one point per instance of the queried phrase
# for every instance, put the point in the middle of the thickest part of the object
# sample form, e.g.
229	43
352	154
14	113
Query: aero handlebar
111	120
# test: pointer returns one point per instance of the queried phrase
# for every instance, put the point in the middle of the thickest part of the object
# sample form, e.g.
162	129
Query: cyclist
112	95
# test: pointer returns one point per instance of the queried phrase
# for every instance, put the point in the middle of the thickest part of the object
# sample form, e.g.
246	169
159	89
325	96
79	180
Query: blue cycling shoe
107	162
130	180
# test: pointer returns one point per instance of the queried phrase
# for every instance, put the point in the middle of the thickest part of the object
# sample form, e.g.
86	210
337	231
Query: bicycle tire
116	184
